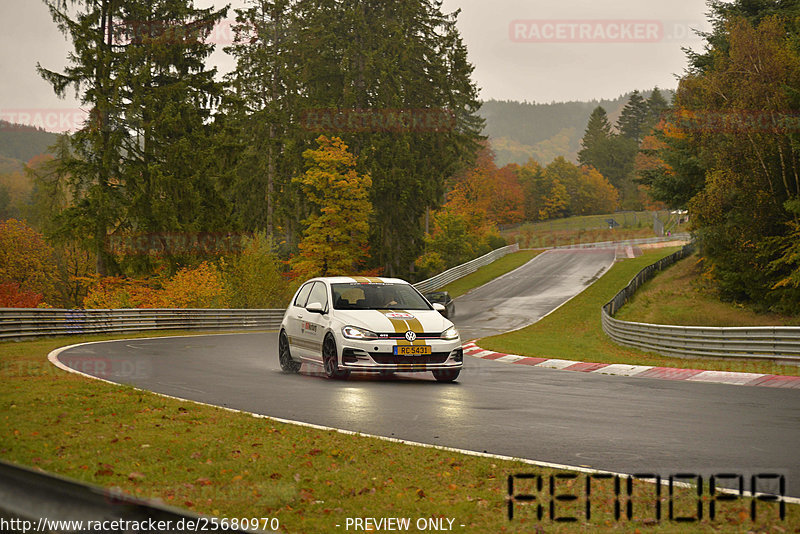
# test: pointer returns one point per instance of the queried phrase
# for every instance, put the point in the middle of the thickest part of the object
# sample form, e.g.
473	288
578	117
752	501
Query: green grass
487	273
680	295
214	461
573	332
585	229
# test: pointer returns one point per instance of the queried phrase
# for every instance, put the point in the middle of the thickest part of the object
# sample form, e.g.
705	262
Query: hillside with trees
175	169
729	151
21	143
519	131
348	139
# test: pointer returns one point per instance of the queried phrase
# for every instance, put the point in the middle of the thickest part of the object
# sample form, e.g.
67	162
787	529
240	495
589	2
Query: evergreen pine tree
93	167
595	139
633	119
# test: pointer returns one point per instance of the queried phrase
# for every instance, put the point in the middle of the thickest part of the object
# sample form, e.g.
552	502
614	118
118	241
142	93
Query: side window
319	294
302	295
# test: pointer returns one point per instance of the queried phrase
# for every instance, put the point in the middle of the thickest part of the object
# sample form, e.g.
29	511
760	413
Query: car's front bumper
378	356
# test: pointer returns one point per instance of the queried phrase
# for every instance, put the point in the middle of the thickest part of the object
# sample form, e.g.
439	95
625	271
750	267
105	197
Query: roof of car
360	280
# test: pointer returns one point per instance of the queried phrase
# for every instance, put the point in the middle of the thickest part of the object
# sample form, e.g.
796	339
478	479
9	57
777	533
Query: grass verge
587	229
679	295
574	332
487	273
234	465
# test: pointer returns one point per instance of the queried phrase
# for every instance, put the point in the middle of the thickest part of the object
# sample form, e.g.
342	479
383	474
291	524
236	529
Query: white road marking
53	357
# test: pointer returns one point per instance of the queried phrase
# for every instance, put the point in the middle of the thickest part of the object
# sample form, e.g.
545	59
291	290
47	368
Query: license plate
412	350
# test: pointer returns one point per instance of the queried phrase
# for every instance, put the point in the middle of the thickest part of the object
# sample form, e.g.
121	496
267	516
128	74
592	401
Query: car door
314	325
295	320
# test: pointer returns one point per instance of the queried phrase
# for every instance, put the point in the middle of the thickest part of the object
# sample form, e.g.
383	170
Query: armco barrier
442	279
754	342
631	242
33	501
21	323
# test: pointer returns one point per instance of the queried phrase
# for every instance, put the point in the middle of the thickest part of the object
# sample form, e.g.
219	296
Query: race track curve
630	425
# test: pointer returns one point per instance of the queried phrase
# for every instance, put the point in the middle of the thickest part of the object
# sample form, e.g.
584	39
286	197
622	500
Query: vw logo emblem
411	336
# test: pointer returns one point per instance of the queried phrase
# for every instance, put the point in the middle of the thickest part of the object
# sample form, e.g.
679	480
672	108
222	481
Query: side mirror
439	307
315	307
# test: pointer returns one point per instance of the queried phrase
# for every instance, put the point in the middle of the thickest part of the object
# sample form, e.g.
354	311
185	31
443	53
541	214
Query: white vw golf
367	324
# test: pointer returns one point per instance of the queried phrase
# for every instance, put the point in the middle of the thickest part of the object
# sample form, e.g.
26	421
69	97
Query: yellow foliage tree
26	259
335	238
201	287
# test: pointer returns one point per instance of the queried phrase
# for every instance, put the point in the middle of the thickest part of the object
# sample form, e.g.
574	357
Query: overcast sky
531	50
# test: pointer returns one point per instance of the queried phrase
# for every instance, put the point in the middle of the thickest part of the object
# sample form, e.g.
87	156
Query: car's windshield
357	296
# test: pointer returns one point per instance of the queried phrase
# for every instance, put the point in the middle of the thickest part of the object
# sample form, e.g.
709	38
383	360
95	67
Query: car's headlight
450	333
353	332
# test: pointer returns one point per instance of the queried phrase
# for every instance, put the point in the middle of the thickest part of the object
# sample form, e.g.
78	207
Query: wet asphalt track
613	423
525	295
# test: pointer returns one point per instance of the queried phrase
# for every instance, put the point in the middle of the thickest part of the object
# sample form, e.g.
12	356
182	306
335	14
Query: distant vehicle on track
443	298
368	324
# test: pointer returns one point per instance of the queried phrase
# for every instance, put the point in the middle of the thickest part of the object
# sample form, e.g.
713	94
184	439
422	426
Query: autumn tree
732	150
335	239
596	193
382	56
452	240
254	277
472	191
508	201
198	287
26	260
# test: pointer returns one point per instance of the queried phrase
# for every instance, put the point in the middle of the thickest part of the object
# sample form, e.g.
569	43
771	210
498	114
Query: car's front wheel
446	375
288	365
330	359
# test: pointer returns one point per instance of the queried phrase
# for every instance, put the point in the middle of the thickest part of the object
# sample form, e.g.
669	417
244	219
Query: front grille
436	357
402	335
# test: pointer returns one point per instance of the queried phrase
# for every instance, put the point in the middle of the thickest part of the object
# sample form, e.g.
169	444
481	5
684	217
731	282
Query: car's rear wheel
446	375
288	365
330	359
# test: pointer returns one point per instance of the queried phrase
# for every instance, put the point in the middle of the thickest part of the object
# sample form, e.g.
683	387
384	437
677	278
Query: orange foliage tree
485	195
199	287
12	297
119	292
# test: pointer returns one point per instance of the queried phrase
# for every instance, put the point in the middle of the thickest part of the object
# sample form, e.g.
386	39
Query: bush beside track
215	461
